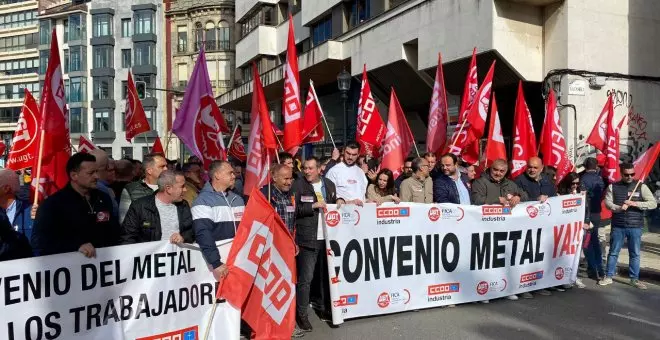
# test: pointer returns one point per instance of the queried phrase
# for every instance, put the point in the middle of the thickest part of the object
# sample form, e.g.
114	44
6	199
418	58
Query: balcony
181	85
181	48
213	45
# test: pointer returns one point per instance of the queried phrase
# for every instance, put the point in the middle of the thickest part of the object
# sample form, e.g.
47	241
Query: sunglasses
628	175
575	183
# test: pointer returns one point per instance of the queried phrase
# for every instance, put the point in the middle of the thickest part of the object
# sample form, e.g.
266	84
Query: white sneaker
527	295
512	297
484	301
605	281
580	284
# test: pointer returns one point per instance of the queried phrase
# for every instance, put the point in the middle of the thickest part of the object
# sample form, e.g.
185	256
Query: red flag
598	134
399	140
436	136
458	142
495	148
237	148
24	146
262	271
312	129
553	144
479	111
524	141
370	126
644	164
611	168
85	145
261	142
136	119
292	108
157	147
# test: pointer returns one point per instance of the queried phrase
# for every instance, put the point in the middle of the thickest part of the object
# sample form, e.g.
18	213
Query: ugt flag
24	146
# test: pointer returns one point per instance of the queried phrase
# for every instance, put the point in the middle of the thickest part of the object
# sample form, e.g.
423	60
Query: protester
13	245
433	164
163	214
383	191
595	188
551	174
216	213
628	201
123	176
281	197
138	171
570	185
450	186
348	178
193	175
418	188
239	183
407	172
537	186
17	210
469	170
78	217
153	166
494	188
105	177
312	193
288	160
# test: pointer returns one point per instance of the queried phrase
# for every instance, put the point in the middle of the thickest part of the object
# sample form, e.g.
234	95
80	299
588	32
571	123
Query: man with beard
407	172
349	179
537	186
451	186
494	188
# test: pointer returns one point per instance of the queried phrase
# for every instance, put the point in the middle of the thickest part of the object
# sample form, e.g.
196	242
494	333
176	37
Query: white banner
145	291
394	258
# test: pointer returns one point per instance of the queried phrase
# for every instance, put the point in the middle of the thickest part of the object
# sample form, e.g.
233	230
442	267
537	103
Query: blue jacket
445	191
595	187
535	189
22	220
13	245
215	217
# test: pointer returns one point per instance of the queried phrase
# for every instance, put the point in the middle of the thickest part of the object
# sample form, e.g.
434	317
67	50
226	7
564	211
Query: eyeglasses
628	175
575	183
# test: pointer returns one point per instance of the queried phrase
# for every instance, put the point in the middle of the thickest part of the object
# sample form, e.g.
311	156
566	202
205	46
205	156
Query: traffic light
141	88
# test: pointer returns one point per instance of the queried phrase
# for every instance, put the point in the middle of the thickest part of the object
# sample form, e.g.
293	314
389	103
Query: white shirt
319	197
350	181
169	219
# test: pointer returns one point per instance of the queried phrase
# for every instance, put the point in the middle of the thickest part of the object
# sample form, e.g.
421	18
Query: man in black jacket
78	217
537	186
450	186
311	193
165	213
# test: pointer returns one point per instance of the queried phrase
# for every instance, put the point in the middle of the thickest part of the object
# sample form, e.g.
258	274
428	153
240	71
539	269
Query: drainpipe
560	105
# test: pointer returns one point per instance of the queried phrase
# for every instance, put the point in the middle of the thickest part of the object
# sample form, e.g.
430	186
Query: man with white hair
163	215
17	210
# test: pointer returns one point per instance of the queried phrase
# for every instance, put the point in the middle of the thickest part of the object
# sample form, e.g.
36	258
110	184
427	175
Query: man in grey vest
628	201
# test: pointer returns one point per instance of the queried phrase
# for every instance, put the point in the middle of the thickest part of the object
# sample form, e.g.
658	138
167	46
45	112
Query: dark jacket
535	189
595	187
64	222
307	218
138	190
445	191
486	191
22	220
633	217
13	245
142	222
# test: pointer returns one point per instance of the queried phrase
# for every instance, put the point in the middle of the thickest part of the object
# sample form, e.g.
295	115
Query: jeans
634	237
593	251
306	262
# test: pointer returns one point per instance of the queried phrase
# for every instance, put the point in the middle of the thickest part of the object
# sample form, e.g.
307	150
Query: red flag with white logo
236	147
495	148
370	127
436	136
136	119
85	145
312	129
399	139
292	109
553	143
644	164
262	271
261	142
458	141
612	152
479	110
597	137
524	140
24	145
158	147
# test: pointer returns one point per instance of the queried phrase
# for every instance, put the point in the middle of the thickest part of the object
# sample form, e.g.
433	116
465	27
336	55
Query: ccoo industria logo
391	215
189	333
491	213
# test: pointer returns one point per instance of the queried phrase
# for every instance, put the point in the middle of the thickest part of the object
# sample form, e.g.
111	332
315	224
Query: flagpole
416	150
167	143
231	139
453	144
41	152
146	141
311	84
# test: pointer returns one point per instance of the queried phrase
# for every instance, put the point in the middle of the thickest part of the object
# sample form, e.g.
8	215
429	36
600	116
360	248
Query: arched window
210	36
224	36
199	35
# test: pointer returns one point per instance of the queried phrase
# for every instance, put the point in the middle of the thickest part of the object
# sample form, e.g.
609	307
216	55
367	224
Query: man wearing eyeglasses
627	200
418	188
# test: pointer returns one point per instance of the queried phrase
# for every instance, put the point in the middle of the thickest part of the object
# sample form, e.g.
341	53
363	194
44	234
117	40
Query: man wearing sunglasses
627	200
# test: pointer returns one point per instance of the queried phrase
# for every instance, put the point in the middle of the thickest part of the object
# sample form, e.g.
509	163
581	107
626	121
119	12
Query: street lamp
230	119
344	84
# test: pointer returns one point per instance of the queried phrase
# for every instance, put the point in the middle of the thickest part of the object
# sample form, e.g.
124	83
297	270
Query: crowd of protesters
108	203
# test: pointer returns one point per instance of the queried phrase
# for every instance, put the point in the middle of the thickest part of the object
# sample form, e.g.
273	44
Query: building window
77	58
66	30
77	90
360	11
102	25
102	88
103	56
264	16
126	58
22	66
224	36
199	35
103	121
150	112
43	61
18	19
127	152
77	120
145	151
145	53
322	30
44	32
182	39
15	91
66	61
124	89
77	27
144	21
125	27
19	42
9	114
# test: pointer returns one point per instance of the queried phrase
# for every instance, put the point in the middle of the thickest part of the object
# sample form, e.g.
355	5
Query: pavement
618	311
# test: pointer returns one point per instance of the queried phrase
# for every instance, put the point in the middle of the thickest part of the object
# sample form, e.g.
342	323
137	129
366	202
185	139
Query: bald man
103	169
537	186
494	188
